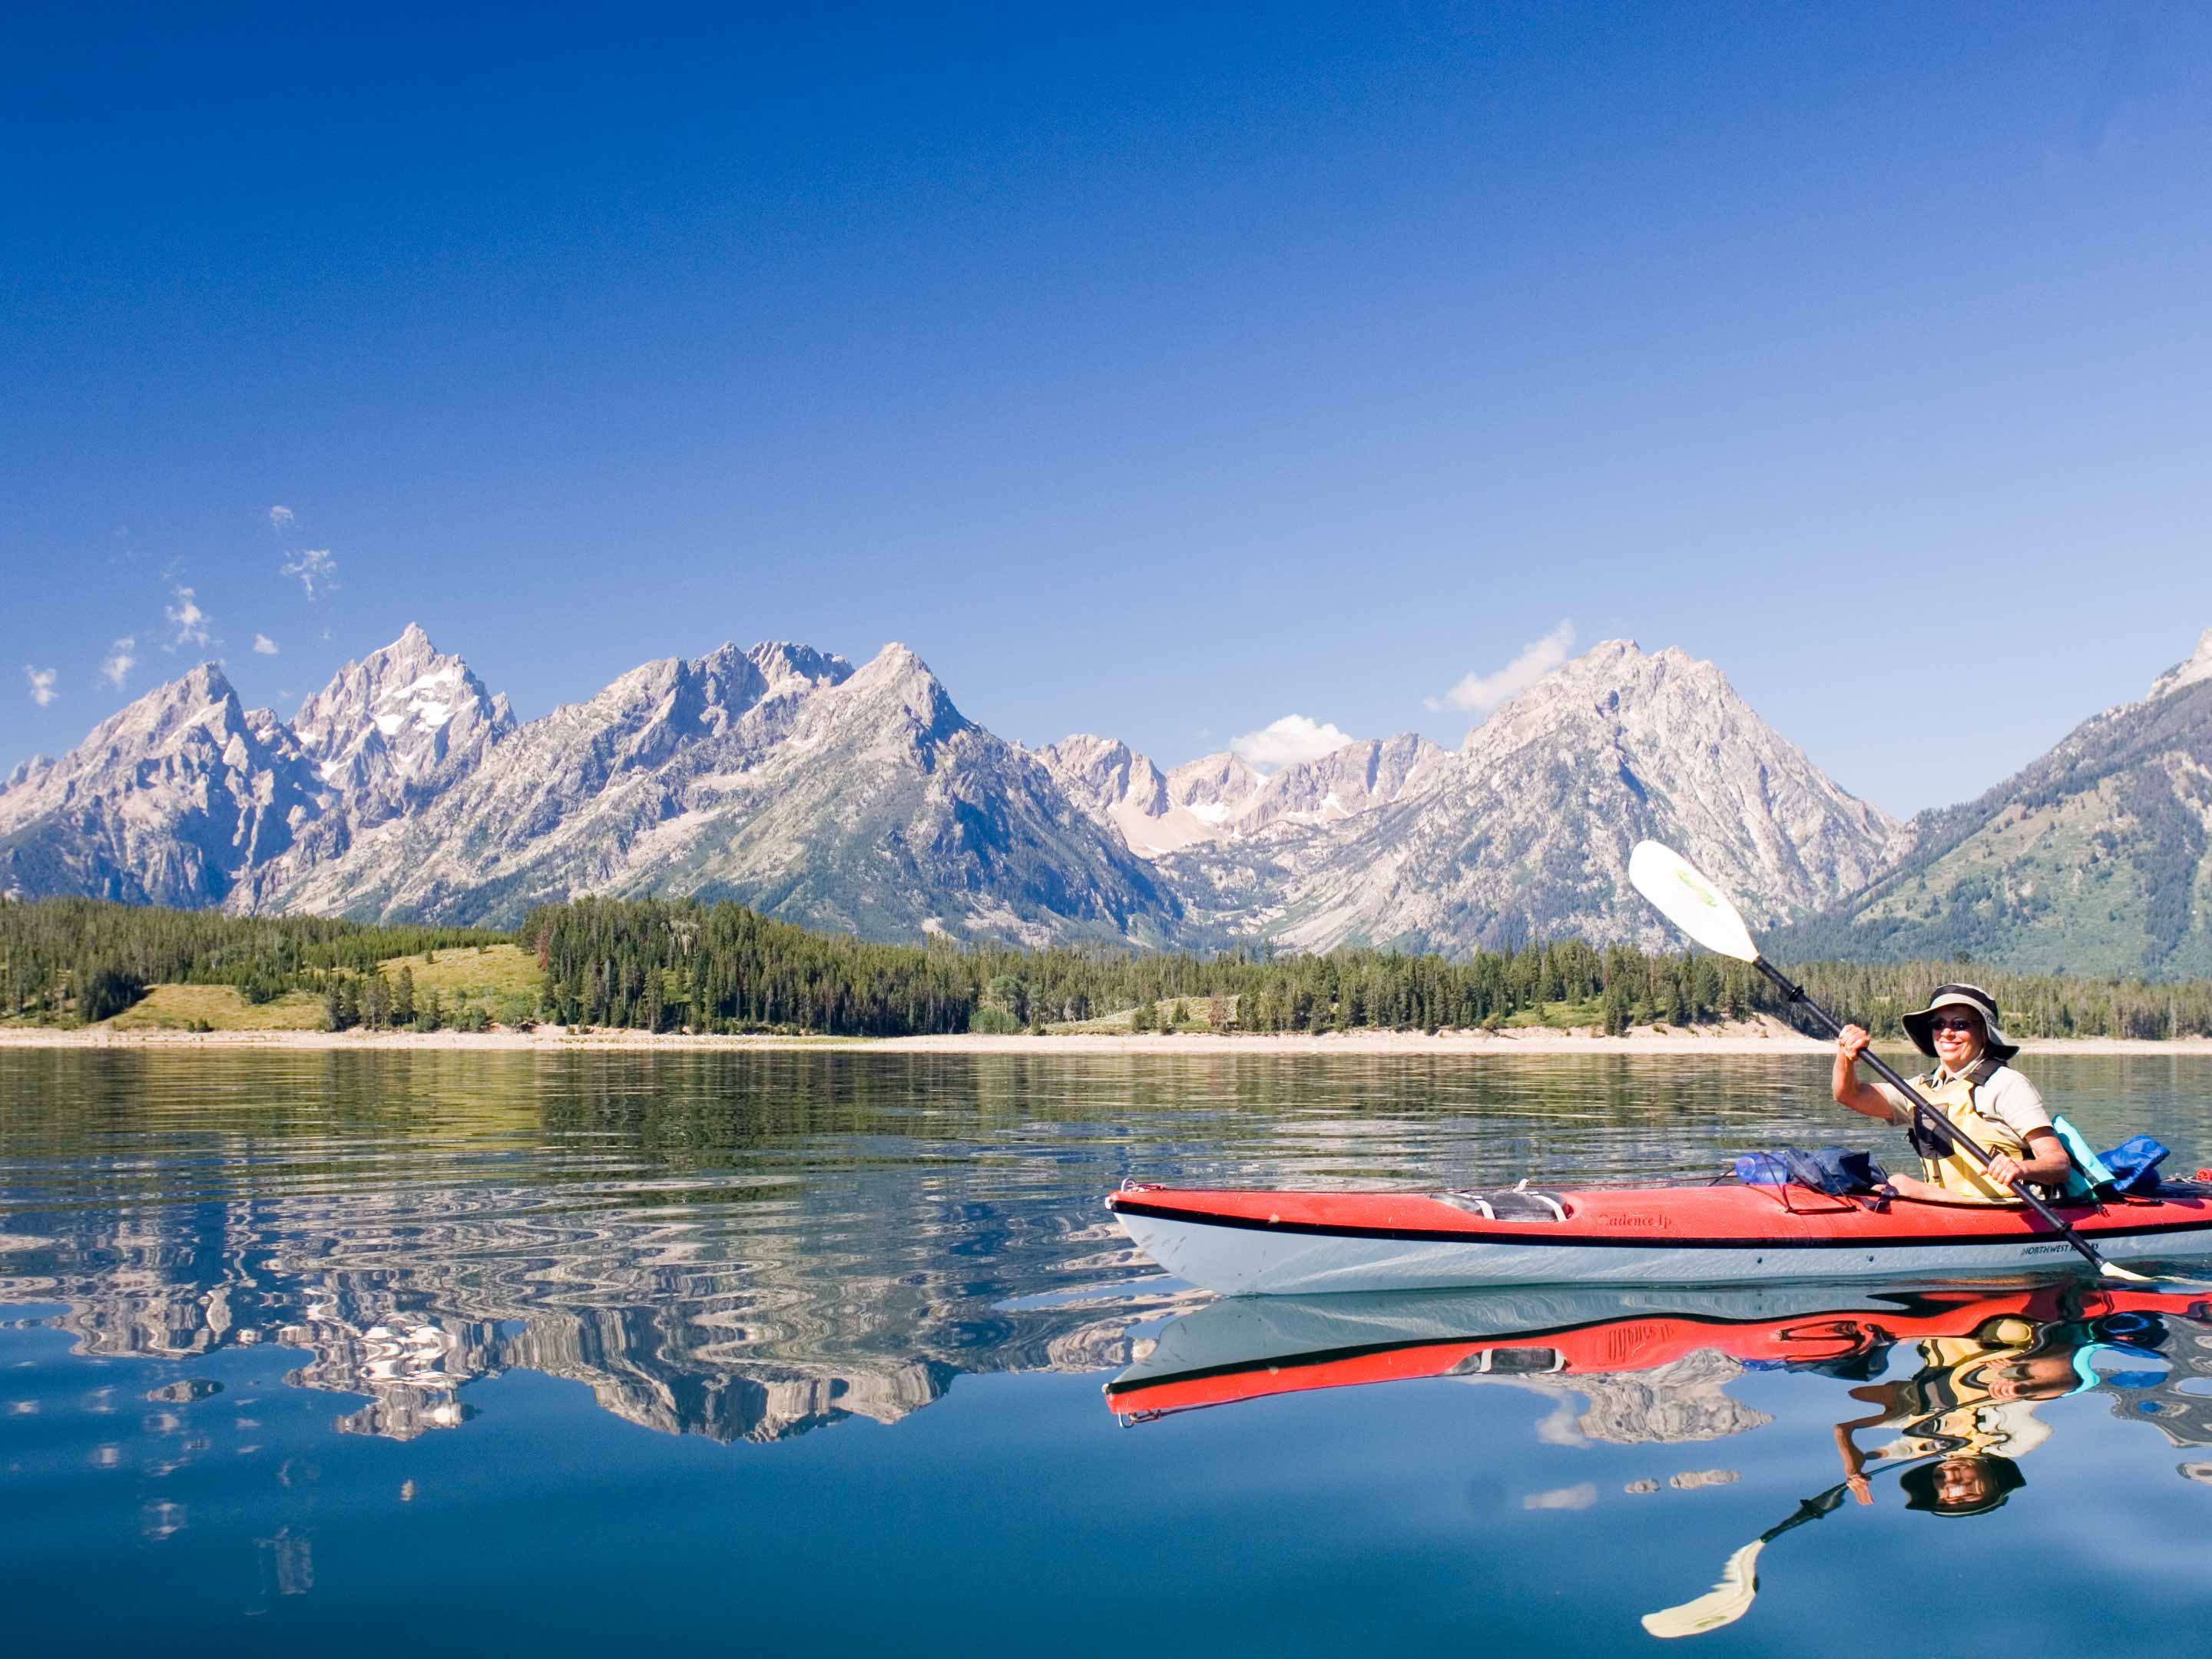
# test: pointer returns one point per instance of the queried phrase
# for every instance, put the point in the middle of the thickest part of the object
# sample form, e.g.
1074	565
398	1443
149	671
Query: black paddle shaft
1923	1110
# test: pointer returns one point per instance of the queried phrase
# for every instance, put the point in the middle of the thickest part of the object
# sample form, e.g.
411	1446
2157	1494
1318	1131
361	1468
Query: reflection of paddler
1971	1408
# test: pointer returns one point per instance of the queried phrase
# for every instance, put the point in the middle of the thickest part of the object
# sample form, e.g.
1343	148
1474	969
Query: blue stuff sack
2134	1163
1832	1170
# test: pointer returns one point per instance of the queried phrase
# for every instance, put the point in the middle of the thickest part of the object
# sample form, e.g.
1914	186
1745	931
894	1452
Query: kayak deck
1244	1243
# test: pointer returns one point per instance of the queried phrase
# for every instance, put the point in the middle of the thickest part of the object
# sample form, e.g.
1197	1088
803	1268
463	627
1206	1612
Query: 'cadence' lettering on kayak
1660	1223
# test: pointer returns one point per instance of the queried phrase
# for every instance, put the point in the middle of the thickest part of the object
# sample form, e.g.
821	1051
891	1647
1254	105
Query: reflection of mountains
755	1325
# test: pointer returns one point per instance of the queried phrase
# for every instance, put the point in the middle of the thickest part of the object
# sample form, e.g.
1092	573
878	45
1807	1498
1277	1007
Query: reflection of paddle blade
1723	1604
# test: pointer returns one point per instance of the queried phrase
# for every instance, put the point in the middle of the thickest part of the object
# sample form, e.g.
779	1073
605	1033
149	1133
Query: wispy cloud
1480	693
115	667
280	518
312	565
1287	741
1579	1497
264	646
42	684
187	622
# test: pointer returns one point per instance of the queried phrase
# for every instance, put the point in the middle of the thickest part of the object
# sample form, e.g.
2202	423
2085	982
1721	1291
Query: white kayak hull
1243	1261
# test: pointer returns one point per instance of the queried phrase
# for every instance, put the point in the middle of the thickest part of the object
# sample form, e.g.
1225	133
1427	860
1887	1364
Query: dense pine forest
86	959
661	965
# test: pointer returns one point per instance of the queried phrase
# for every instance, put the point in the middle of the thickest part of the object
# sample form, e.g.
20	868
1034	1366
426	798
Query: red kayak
1267	1243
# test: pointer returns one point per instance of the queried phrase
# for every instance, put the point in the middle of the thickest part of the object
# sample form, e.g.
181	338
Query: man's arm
1849	1088
2045	1164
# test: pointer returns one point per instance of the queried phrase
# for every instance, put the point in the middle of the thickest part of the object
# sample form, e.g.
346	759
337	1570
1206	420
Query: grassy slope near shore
216	1007
483	973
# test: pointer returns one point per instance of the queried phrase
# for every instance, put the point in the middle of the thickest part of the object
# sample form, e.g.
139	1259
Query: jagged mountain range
862	799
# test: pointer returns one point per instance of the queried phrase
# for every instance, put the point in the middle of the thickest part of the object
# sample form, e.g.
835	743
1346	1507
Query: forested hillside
661	965
2094	859
86	959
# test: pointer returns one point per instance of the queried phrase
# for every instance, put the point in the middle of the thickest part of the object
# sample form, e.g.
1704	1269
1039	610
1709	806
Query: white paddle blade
1689	901
1723	1604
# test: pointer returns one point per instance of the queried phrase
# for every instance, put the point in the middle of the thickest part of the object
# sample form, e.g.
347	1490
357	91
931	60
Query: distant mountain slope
861	801
2091	859
1525	832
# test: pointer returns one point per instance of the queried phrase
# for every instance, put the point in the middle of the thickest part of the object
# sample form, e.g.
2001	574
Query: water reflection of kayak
1245	1243
1248	1348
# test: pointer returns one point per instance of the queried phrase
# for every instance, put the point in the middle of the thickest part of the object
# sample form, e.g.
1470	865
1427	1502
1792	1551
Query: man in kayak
1971	1084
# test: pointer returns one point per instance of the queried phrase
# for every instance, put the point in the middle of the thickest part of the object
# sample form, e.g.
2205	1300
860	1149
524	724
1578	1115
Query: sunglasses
1968	1026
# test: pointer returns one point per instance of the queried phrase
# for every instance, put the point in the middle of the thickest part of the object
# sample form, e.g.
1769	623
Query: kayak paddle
1729	1600
1696	907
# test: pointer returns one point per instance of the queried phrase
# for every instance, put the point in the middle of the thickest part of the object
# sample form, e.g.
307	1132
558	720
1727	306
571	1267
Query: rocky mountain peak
1215	788
1525	832
2197	667
166	801
1345	782
1123	787
407	694
198	703
896	690
398	727
785	666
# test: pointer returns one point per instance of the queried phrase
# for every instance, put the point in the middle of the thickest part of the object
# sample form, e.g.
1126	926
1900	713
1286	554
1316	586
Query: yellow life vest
1952	1168
1949	1407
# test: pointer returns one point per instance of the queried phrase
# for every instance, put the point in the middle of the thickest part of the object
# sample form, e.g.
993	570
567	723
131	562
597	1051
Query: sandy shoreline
1744	1038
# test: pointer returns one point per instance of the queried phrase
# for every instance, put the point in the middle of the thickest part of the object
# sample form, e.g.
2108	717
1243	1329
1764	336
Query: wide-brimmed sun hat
2001	1479
1960	996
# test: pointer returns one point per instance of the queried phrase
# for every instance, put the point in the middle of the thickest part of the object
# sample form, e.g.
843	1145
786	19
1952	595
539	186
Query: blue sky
1160	373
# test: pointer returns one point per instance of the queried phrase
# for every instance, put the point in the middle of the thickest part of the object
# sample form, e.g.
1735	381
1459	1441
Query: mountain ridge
862	799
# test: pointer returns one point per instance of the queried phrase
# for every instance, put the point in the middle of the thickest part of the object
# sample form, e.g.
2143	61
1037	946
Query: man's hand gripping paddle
1696	907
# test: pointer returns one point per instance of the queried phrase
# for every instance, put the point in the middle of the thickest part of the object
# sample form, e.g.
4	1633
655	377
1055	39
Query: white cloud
264	646
1480	693
188	621
121	659
1562	1497
280	518
42	684
1287	741
312	565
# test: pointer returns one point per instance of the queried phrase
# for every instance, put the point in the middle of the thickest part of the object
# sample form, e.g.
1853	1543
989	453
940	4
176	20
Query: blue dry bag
2134	1163
1834	1169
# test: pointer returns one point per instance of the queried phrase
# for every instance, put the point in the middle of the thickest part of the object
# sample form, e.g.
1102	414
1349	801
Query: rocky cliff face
173	800
859	801
1219	798
1525	832
1343	784
1125	791
2096	858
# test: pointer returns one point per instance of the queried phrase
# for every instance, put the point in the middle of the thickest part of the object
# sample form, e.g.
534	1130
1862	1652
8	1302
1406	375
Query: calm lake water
363	1352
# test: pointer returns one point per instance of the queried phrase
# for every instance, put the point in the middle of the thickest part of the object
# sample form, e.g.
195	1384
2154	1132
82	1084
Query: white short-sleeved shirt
2008	1097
